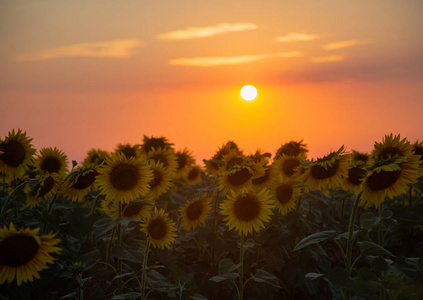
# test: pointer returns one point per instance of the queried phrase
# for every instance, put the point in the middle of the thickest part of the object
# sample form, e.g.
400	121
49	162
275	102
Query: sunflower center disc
382	180
261	179
239	177
291	149
46	188
194	210
124	177
246	207
157	229
85	180
355	174
284	193
18	250
14	153
51	164
182	161
319	172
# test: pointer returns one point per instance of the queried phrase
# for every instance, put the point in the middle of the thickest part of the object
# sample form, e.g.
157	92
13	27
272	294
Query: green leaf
130	295
227	266
386	214
315	238
197	297
370	248
122	253
70	295
223	277
313	276
266	277
124	275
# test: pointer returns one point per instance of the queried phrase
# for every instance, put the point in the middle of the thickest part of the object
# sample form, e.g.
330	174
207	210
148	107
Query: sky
79	75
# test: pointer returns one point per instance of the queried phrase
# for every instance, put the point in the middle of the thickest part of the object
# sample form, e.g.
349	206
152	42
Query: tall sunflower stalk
144	268
241	268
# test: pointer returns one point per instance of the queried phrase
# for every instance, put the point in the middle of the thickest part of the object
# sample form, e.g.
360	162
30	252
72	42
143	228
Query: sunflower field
147	222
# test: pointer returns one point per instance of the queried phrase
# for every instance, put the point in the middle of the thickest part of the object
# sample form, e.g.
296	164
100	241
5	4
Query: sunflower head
137	209
285	194
391	146
95	157
292	148
81	182
266	180
124	179
162	178
260	157
23	253
195	212
16	154
213	164
247	210
360	158
238	177
166	156
185	160
194	174
128	150
151	143
160	229
52	160
47	185
288	167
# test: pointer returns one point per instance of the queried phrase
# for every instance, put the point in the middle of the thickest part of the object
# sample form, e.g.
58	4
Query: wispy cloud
329	58
341	45
296	37
115	49
228	60
202	32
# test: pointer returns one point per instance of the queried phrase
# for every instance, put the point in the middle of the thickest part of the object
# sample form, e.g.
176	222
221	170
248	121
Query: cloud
329	58
202	32
115	49
341	45
228	60
296	37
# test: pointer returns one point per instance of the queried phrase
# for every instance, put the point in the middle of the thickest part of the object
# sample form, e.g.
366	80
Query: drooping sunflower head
326	173
160	229
150	143
266	180
16	154
236	178
81	182
47	185
134	210
52	160
213	165
166	156
128	150
185	160
232	159
194	174
23	253
388	178
124	179
288	167
391	146
360	158
247	210
292	148
95	157
162	178
285	194
195	212
260	157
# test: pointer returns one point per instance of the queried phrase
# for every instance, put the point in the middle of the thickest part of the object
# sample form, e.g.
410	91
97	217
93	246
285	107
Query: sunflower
388	178
160	229
285	195
287	166
246	210
194	174
132	210
23	253
292	148
391	146
195	212
356	171
47	185
213	165
95	157
185	160
326	173
124	179
266	180
260	157
232	159
128	150
239	177
52	160
418	150
16	154
166	156
81	183
150	143
162	178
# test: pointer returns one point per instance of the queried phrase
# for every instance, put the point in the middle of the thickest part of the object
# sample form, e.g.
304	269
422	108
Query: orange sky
92	74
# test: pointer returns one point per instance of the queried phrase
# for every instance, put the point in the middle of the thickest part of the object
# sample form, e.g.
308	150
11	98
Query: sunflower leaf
370	248
130	295
315	238
263	276
227	266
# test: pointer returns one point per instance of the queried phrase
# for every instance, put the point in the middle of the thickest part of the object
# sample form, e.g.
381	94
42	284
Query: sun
248	92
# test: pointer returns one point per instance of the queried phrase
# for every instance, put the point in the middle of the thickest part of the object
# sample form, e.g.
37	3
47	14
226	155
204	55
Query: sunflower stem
241	268
379	230
119	240
348	253
109	246
144	269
